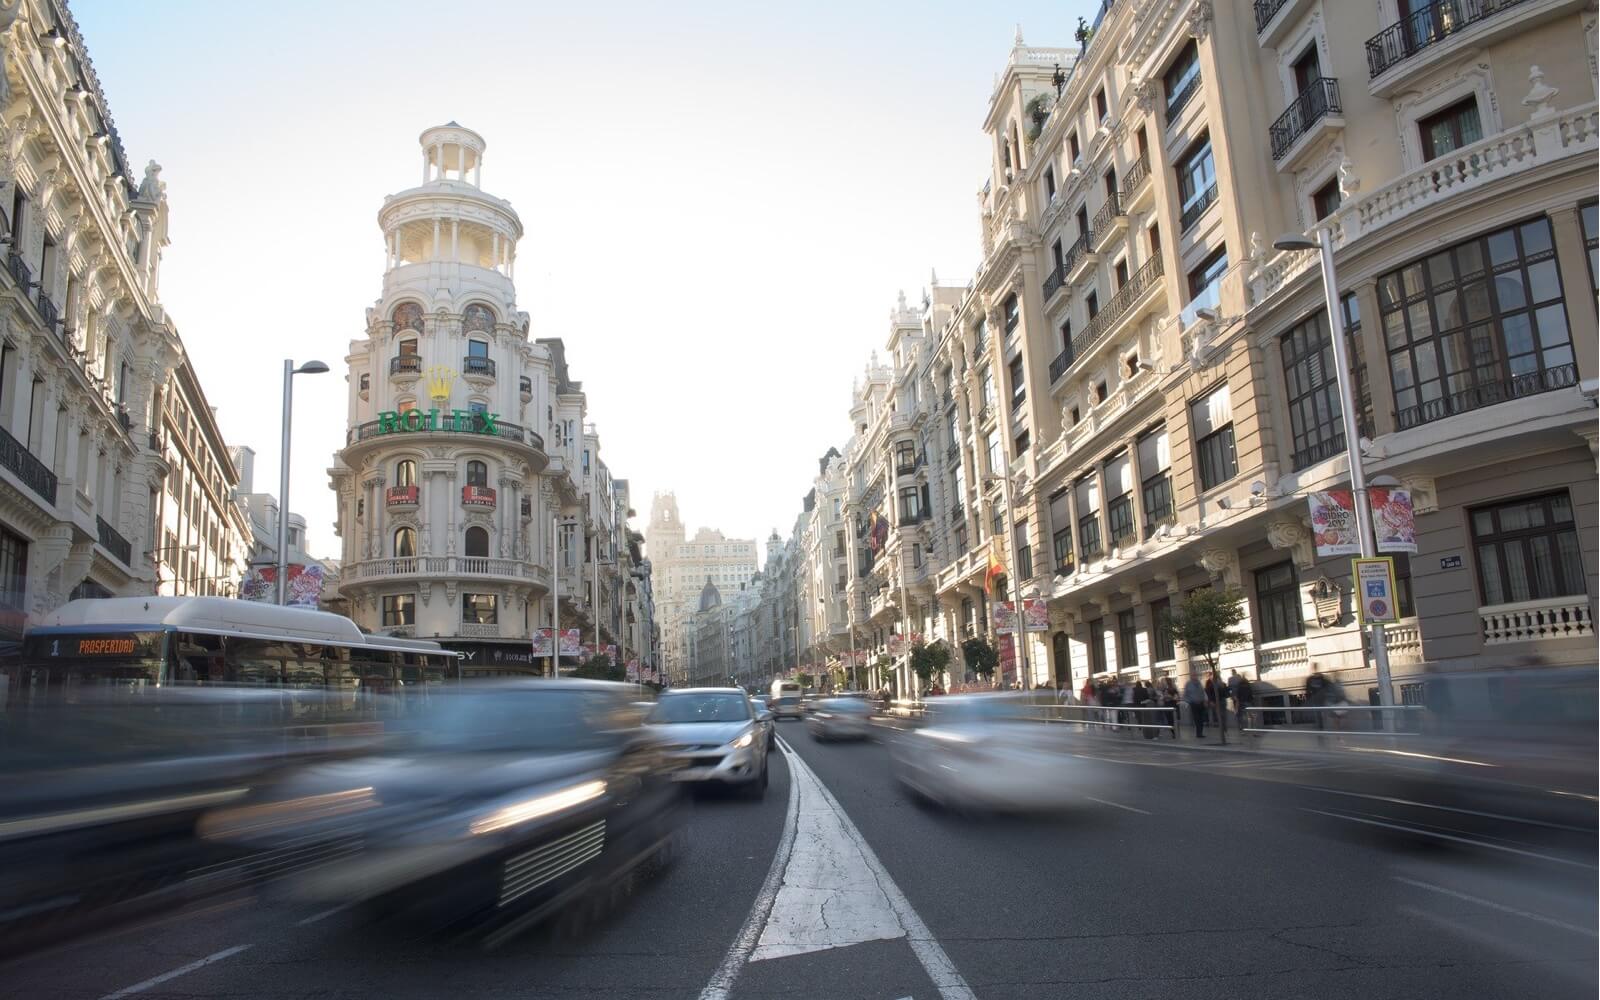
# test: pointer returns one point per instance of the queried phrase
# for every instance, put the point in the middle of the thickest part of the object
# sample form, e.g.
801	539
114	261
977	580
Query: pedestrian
1317	695
1169	698
1087	695
1244	696
1194	696
1142	699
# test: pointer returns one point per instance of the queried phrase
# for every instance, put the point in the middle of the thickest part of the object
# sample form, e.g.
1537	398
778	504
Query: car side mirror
763	716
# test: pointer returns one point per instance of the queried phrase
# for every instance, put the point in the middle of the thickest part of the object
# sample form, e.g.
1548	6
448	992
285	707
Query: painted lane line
1491	904
935	962
325	914
175	973
1118	805
721	984
1446	836
1456	809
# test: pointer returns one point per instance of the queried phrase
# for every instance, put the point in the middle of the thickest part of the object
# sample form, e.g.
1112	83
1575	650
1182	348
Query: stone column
455	240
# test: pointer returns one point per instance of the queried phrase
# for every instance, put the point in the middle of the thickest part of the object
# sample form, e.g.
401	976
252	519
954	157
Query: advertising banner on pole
1035	615
571	642
1333	523
1375	590
633	670
1394	520
611	652
897	645
1005	617
304	589
543	640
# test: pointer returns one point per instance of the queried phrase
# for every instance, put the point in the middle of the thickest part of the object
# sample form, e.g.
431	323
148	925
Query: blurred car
840	719
983	752
103	786
715	736
764	716
497	807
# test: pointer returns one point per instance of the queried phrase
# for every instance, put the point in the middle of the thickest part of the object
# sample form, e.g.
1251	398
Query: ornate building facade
681	566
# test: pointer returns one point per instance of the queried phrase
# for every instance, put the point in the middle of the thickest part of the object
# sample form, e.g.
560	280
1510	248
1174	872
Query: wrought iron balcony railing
1141	281
1316	102
409	364
114	542
1265	9
474	365
1427	26
1488	394
26	466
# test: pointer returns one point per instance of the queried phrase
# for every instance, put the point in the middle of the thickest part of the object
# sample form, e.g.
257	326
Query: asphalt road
1200	873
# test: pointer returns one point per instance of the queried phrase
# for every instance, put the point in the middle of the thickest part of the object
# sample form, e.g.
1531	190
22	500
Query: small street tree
980	656
600	668
928	660
804	679
1206	624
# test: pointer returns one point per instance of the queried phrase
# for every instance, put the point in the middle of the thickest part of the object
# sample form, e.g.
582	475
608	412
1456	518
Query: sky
721	202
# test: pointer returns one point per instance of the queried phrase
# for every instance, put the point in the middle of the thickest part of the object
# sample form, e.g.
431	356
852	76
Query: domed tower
444	527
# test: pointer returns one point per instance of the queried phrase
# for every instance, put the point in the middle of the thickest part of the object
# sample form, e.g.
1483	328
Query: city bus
785	700
121	646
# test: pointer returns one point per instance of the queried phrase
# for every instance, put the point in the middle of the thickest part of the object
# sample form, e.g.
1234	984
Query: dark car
102	789
499	806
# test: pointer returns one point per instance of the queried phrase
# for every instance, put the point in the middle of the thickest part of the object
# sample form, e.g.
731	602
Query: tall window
1073	147
992	450
399	609
1316	420
1019	444
1327	198
405	473
477	473
1475	324
1097	646
1278	603
980	334
1013	313
952	431
1203	279
1119	493
1019	385
1448	130
1049	184
1211	421
1088	494
408	348
910	505
1591	229
477	349
1155	483
1127	640
405	543
1197	181
905	456
1527	550
986	388
1101	109
1061	531
1181	79
13	570
1024	549
480	609
1160	638
477	542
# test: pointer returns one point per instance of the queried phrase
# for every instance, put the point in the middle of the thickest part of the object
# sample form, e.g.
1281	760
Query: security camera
1258	488
1225	503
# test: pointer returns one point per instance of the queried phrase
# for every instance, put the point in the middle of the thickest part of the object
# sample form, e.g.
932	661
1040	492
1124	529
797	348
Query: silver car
840	719
715	735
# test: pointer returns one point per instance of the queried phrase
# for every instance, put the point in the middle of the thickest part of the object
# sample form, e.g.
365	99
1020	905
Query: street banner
1008	660
571	642
543	640
304	589
586	650
1393	519
1035	615
611	652
897	645
1005	617
633	670
1333	523
1375	590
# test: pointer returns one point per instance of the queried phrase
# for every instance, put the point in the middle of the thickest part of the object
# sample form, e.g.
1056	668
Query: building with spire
681	565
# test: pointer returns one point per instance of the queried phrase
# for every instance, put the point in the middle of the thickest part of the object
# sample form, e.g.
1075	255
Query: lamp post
1352	439
289	372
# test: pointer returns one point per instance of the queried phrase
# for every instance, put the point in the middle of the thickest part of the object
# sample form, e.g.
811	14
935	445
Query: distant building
680	566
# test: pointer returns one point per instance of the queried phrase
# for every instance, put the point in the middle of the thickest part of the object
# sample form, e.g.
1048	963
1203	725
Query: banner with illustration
304	589
897	645
1005	617
633	670
1336	533
543	641
611	653
571	642
1035	615
1394	521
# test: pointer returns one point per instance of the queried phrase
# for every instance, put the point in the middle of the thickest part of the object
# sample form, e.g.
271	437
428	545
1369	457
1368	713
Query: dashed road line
1421	831
1491	904
182	970
325	914
1119	805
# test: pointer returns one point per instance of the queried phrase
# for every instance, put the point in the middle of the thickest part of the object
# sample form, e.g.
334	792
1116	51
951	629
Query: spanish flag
995	569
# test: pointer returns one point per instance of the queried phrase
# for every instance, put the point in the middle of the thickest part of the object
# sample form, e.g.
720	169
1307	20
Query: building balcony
1080	258
1401	53
1274	18
1403	640
405	365
1488	394
429	423
1315	113
48	312
1129	303
478	370
1177	102
1108	223
479	630
1284	656
1138	190
1197	209
1053	283
482	497
401	497
113	542
445	566
16	459
1538	621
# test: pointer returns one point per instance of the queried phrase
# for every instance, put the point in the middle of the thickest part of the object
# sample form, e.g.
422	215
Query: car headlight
745	740
538	806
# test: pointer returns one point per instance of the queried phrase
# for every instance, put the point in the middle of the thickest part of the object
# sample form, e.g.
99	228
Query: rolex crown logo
440	379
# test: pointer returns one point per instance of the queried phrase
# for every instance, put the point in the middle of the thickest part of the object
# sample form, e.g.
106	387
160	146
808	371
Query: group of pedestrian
1117	698
1209	701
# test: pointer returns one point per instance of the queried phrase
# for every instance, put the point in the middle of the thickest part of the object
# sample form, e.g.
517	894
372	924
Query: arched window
477	542
405	473
405	543
477	318
408	316
477	474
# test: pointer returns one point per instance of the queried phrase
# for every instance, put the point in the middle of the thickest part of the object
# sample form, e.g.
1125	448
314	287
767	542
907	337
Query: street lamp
1352	437
289	372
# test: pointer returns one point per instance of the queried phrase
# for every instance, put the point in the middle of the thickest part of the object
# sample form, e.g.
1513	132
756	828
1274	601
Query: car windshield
533	720
677	708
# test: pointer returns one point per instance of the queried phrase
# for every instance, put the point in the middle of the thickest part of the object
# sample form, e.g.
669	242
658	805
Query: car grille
548	862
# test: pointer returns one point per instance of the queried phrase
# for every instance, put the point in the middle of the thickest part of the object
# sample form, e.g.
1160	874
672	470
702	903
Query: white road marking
325	914
1118	805
721	983
1455	809
175	973
1445	836
1491	904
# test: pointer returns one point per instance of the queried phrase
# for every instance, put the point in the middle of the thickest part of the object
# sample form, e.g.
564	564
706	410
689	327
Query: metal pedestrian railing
1110	716
1336	720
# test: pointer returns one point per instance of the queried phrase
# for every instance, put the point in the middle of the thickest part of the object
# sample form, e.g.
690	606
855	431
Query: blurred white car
840	719
985	752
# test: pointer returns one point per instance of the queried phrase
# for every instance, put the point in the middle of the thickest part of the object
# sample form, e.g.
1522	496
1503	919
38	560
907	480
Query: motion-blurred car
714	735
840	719
984	752
497	807
786	699
102	788
764	716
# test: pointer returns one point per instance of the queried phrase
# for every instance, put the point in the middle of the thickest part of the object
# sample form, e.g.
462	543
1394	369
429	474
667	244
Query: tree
1206	624
928	660
980	656
600	668
804	680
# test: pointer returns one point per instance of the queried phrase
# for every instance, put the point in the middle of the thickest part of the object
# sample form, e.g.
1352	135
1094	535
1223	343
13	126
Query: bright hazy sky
721	201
